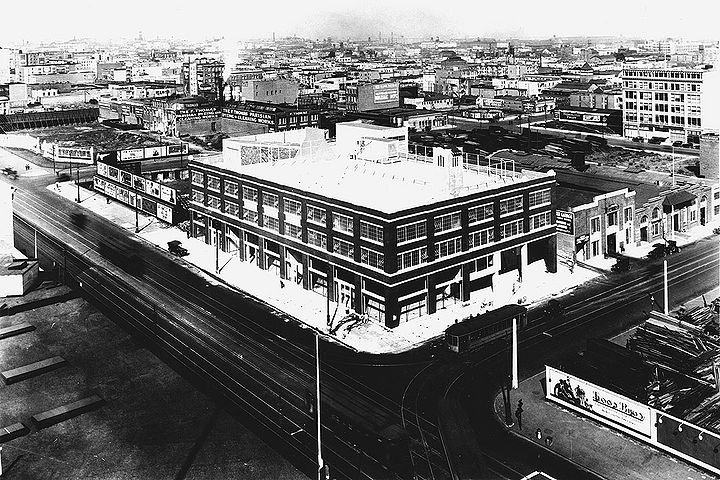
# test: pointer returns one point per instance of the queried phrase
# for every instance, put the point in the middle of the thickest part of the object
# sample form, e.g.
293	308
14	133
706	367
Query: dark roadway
260	364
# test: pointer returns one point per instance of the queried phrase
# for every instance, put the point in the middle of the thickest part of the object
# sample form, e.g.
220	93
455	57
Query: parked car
638	139
554	309
10	172
677	143
656	140
175	247
661	250
622	265
687	145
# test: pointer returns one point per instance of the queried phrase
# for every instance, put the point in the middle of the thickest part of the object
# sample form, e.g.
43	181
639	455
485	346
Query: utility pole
77	182
137	214
217	251
515	382
321	465
665	287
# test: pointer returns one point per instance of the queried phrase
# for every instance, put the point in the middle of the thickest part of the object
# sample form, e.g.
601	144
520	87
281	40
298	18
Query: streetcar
477	330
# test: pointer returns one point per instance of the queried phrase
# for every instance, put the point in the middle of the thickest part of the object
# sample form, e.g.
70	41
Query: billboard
138	183
102	169
589	399
167	194
99	184
564	222
132	154
181	149
155	152
114	173
126	177
77	153
164	213
152	188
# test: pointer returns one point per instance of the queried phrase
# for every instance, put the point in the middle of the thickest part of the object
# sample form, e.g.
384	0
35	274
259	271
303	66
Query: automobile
554	309
175	247
638	139
660	250
677	143
656	140
687	145
10	172
621	265
696	146
672	247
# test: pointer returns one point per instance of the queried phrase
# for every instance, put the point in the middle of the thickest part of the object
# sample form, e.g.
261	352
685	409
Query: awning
678	199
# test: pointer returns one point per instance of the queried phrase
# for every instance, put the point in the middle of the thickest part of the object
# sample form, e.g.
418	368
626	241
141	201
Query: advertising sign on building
155	152
564	222
248	116
152	188
592	400
114	173
385	92
149	206
99	184
167	194
126	177
164	213
132	154
110	190
102	169
181	149
138	183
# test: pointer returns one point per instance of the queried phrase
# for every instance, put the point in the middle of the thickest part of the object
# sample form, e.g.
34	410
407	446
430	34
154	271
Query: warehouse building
385	233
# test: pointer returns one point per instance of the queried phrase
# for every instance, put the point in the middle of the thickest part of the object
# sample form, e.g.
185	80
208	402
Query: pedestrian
518	413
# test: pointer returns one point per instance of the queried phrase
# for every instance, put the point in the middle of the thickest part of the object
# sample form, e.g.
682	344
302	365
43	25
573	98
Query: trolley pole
35	243
665	287
515	382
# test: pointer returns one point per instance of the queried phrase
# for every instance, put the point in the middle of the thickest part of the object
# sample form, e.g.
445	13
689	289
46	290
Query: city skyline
371	19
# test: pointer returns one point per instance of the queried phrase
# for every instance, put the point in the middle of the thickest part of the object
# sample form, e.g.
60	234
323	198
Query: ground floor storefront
353	292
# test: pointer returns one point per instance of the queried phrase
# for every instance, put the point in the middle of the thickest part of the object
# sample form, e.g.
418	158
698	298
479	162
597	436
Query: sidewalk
609	453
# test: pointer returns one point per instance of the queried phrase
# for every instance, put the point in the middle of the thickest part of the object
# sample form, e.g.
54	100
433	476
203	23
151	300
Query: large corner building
385	233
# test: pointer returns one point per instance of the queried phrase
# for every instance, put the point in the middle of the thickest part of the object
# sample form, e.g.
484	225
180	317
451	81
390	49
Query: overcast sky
47	20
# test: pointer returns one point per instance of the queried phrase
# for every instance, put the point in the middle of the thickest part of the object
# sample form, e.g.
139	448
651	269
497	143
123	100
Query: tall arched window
655	213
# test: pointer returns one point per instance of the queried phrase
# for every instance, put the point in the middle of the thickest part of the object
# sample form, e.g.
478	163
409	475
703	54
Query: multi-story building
660	102
277	91
363	97
383	232
203	76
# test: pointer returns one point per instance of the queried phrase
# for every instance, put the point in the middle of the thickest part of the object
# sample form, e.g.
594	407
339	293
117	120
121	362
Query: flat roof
384	187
